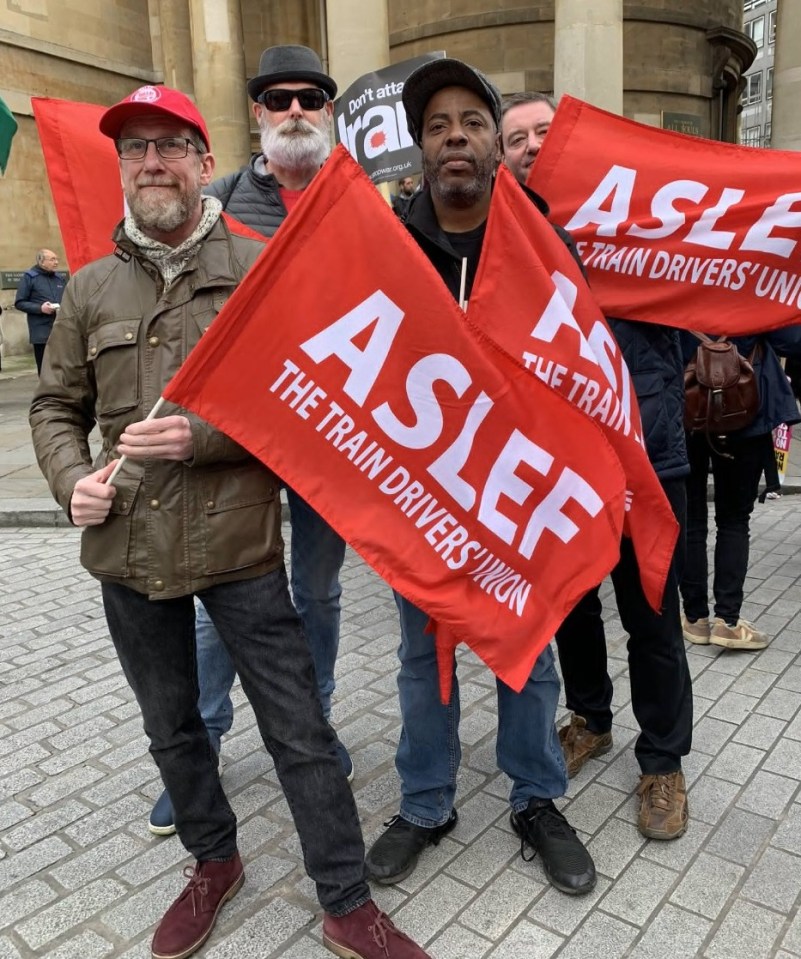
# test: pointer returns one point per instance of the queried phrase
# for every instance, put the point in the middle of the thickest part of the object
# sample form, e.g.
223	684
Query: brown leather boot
188	923
580	744
664	811
367	933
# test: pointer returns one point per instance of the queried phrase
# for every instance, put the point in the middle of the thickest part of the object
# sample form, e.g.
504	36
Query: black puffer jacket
251	197
653	356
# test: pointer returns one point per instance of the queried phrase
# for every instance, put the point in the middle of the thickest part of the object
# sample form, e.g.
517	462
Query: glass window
750	4
772	27
755	29
753	88
767	134
752	136
769	83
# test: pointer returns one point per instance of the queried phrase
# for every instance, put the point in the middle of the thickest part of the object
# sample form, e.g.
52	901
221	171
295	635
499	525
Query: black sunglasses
276	101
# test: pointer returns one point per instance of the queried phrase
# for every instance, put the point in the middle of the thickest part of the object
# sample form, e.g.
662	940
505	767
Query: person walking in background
293	105
39	295
129	321
661	689
736	462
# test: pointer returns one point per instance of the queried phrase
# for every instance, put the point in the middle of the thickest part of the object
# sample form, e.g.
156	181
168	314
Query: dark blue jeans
661	689
736	482
155	642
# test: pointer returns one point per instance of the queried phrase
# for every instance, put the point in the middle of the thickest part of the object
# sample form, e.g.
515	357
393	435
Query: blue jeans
429	753
155	642
318	553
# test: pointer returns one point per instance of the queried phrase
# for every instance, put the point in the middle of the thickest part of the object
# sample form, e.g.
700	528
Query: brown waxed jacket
174	528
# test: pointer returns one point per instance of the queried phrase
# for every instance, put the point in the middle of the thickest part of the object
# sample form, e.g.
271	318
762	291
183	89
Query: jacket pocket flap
112	334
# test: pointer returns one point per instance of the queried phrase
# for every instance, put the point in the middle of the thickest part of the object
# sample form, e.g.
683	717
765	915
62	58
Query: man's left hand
165	438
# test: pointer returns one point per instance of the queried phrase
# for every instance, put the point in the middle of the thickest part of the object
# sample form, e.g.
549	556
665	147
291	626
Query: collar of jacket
421	218
213	259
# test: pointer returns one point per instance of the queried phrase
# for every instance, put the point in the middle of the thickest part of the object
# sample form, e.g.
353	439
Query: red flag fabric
676	229
84	175
549	319
343	363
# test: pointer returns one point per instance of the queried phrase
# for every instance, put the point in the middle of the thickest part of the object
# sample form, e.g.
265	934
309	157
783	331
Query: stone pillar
219	71
357	44
785	129
175	36
588	52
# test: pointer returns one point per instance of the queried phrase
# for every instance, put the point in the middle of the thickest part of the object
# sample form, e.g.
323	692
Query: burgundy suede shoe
187	924
367	933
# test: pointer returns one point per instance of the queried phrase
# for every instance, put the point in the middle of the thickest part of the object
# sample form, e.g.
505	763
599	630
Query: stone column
357	43
785	129
219	71
588	52
176	44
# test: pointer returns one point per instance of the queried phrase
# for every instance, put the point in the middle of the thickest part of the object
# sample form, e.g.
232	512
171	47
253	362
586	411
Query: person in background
526	120
453	113
402	199
293	105
661	689
39	295
129	321
736	462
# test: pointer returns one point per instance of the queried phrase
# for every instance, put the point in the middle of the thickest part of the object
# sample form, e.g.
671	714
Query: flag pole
463	283
121	462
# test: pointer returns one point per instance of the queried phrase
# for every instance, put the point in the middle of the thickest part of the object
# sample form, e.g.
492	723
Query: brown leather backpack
720	388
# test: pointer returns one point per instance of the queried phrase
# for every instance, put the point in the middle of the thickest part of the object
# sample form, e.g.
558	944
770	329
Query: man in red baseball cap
159	101
191	514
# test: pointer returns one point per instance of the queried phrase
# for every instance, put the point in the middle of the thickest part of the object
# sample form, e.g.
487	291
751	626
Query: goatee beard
296	144
460	193
156	215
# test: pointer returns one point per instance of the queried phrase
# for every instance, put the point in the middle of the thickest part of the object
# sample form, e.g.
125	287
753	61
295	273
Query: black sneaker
566	862
395	853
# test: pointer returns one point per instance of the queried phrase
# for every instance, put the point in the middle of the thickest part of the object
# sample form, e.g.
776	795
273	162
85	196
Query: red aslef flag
549	319
84	175
676	229
343	363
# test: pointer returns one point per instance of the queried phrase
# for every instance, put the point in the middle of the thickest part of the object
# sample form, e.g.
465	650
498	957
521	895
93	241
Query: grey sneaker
743	635
696	630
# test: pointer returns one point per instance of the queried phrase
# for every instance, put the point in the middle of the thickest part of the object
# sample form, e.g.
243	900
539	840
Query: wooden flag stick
121	462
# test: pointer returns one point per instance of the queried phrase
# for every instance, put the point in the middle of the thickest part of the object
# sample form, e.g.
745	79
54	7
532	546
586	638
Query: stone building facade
676	63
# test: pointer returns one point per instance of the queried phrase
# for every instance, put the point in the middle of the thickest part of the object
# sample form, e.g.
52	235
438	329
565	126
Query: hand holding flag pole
121	462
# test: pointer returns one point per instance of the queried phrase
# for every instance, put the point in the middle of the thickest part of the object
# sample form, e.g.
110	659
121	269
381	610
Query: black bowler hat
290	63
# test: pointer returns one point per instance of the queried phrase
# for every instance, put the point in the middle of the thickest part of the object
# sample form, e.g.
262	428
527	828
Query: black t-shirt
468	245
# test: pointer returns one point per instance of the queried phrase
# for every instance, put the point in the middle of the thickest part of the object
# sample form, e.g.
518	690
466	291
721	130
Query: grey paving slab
80	875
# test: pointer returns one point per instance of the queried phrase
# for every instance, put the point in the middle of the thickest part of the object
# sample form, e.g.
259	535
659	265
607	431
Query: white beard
296	144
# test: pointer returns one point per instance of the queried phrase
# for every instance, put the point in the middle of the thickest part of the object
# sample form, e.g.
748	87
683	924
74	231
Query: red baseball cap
171	103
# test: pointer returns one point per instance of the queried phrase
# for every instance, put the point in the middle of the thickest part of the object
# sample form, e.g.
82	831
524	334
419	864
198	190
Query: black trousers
661	689
736	479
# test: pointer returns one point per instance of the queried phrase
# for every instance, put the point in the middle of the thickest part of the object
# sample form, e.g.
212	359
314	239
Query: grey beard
165	217
306	150
463	193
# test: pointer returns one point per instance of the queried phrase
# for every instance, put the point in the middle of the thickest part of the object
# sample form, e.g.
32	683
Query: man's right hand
48	307
92	498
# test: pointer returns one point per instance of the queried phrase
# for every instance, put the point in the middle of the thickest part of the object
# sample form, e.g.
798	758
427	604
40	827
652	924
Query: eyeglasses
276	101
170	148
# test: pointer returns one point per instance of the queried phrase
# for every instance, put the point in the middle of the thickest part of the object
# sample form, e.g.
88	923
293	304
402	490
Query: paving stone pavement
81	877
